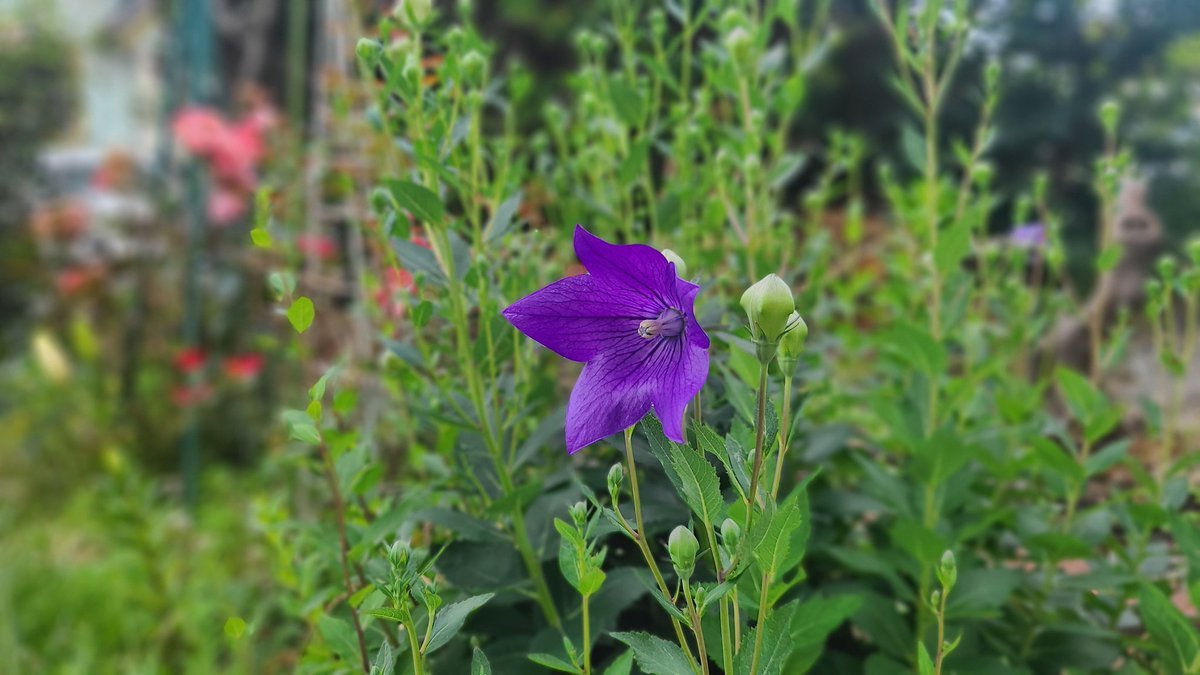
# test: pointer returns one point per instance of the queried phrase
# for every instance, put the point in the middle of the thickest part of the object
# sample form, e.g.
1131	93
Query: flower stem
760	433
941	627
587	639
645	547
697	626
762	618
785	429
417	658
339	506
726	641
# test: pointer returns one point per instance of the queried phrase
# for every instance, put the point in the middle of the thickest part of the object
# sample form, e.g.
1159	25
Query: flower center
668	324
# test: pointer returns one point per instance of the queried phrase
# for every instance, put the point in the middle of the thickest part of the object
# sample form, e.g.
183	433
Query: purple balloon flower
630	321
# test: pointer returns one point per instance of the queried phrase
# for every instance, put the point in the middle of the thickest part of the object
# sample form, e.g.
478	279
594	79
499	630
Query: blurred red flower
319	245
244	366
190	360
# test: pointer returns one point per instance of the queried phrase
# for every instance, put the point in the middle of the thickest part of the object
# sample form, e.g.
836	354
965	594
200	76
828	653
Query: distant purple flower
1032	235
630	320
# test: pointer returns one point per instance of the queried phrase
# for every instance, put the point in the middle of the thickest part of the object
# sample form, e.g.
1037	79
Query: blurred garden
699	336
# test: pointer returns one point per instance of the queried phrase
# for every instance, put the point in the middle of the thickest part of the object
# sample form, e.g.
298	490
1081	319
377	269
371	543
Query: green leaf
422	313
385	660
502	220
260	237
771	548
694	477
626	101
339	635
710	442
389	613
553	663
812	623
622	665
1108	258
418	200
1177	641
655	656
913	146
479	663
631	167
306	433
418	260
1106	457
924	663
777	644
301	314
1084	400
953	245
449	620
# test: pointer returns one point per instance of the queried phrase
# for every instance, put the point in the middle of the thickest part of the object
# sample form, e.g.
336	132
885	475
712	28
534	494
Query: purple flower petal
637	268
575	317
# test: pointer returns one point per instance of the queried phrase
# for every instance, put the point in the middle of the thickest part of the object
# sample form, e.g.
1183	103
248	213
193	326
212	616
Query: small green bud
680	265
730	20
578	512
398	555
473	67
1153	288
791	343
368	51
768	306
1193	251
413	10
658	23
991	74
731	536
948	570
1167	268
682	546
982	173
381	201
739	43
616	476
1110	116
935	599
412	70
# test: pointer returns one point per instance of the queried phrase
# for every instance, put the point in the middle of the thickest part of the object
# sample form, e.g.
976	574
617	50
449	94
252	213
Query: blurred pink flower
199	129
395	281
319	245
226	206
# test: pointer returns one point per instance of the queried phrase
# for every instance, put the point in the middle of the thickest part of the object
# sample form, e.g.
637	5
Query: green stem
640	538
762	617
760	433
785	429
587	639
697	626
417	658
726	639
941	625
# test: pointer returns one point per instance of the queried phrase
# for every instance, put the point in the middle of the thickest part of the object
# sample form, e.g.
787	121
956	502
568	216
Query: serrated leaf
417	200
1176	638
385	660
772	549
777	644
655	656
449	620
418	259
306	433
301	314
389	613
695	479
953	244
422	313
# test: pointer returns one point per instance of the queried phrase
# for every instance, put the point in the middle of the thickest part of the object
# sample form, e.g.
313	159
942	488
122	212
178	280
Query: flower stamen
668	324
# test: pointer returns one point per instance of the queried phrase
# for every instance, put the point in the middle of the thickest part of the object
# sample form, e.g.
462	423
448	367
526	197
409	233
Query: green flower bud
1193	251
1167	268
368	51
473	67
982	173
616	476
739	43
1153	288
791	343
768	305
413	10
680	265
682	546
935	599
948	570
578	512
731	536
398	555
1110	116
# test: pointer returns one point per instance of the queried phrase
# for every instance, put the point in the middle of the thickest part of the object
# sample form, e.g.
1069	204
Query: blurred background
142	361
